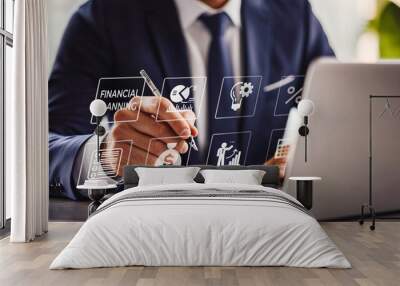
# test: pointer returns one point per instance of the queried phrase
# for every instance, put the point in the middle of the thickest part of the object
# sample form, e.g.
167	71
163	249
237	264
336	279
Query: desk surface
305	178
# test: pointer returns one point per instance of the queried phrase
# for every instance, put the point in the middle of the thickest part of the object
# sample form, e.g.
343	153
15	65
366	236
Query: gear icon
246	89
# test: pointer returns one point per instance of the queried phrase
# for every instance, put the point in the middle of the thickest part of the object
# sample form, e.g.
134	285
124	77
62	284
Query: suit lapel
256	39
256	36
170	44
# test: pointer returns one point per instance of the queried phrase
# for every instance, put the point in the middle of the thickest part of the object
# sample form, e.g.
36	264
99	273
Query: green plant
387	25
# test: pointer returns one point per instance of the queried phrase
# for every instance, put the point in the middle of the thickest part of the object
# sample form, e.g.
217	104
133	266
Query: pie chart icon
180	93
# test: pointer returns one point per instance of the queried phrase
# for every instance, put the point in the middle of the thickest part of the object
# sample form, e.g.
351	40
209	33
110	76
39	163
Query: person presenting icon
221	153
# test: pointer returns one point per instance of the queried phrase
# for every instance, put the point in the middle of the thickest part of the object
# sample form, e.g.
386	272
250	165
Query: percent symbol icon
295	95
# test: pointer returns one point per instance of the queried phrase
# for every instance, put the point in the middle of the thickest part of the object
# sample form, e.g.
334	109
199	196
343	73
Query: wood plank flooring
375	257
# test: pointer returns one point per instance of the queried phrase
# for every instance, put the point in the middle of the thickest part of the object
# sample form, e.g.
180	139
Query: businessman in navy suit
175	38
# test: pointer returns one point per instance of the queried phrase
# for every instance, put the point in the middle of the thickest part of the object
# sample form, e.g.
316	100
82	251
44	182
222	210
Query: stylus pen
150	83
156	92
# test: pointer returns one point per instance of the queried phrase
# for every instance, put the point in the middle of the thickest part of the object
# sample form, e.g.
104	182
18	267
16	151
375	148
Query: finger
142	157
145	142
182	147
147	125
165	111
140	140
130	155
157	147
190	117
279	161
127	114
155	105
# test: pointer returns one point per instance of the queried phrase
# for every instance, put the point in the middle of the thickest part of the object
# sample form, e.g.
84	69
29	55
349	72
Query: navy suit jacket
117	38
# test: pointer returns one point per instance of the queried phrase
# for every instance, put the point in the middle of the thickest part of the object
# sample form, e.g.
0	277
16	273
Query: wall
59	12
343	20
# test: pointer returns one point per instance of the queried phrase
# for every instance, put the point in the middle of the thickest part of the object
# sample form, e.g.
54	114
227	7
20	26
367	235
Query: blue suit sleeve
83	57
63	151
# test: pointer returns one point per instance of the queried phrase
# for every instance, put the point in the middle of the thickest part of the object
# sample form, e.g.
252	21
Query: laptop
338	144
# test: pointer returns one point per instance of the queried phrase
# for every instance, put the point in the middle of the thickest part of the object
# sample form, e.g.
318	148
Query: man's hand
281	162
142	132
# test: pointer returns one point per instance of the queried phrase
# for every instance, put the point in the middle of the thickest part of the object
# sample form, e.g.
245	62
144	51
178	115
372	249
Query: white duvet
200	231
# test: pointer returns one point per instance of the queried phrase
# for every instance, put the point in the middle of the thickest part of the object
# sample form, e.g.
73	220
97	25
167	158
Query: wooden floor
375	257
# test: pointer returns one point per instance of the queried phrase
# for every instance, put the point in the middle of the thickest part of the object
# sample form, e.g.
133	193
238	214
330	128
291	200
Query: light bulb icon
239	91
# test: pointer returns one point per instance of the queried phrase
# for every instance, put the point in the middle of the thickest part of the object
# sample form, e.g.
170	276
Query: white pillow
247	177
166	176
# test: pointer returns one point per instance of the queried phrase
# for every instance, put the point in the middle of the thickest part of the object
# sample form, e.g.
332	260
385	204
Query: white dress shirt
198	40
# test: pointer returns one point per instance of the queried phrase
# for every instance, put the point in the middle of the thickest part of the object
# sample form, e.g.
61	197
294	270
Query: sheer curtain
27	116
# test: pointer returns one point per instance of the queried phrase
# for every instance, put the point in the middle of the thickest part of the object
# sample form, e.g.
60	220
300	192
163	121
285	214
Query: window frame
6	39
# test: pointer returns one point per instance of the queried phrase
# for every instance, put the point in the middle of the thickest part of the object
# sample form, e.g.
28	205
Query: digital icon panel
184	94
118	92
289	94
226	158
182	97
277	144
169	157
238	97
225	149
108	164
282	148
105	164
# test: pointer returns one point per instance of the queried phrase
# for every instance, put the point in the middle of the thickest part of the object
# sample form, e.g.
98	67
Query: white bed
267	229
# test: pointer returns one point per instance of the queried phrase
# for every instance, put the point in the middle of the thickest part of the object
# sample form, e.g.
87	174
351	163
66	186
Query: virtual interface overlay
108	164
225	150
290	93
238	97
237	92
169	157
184	93
118	92
188	94
276	145
104	163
